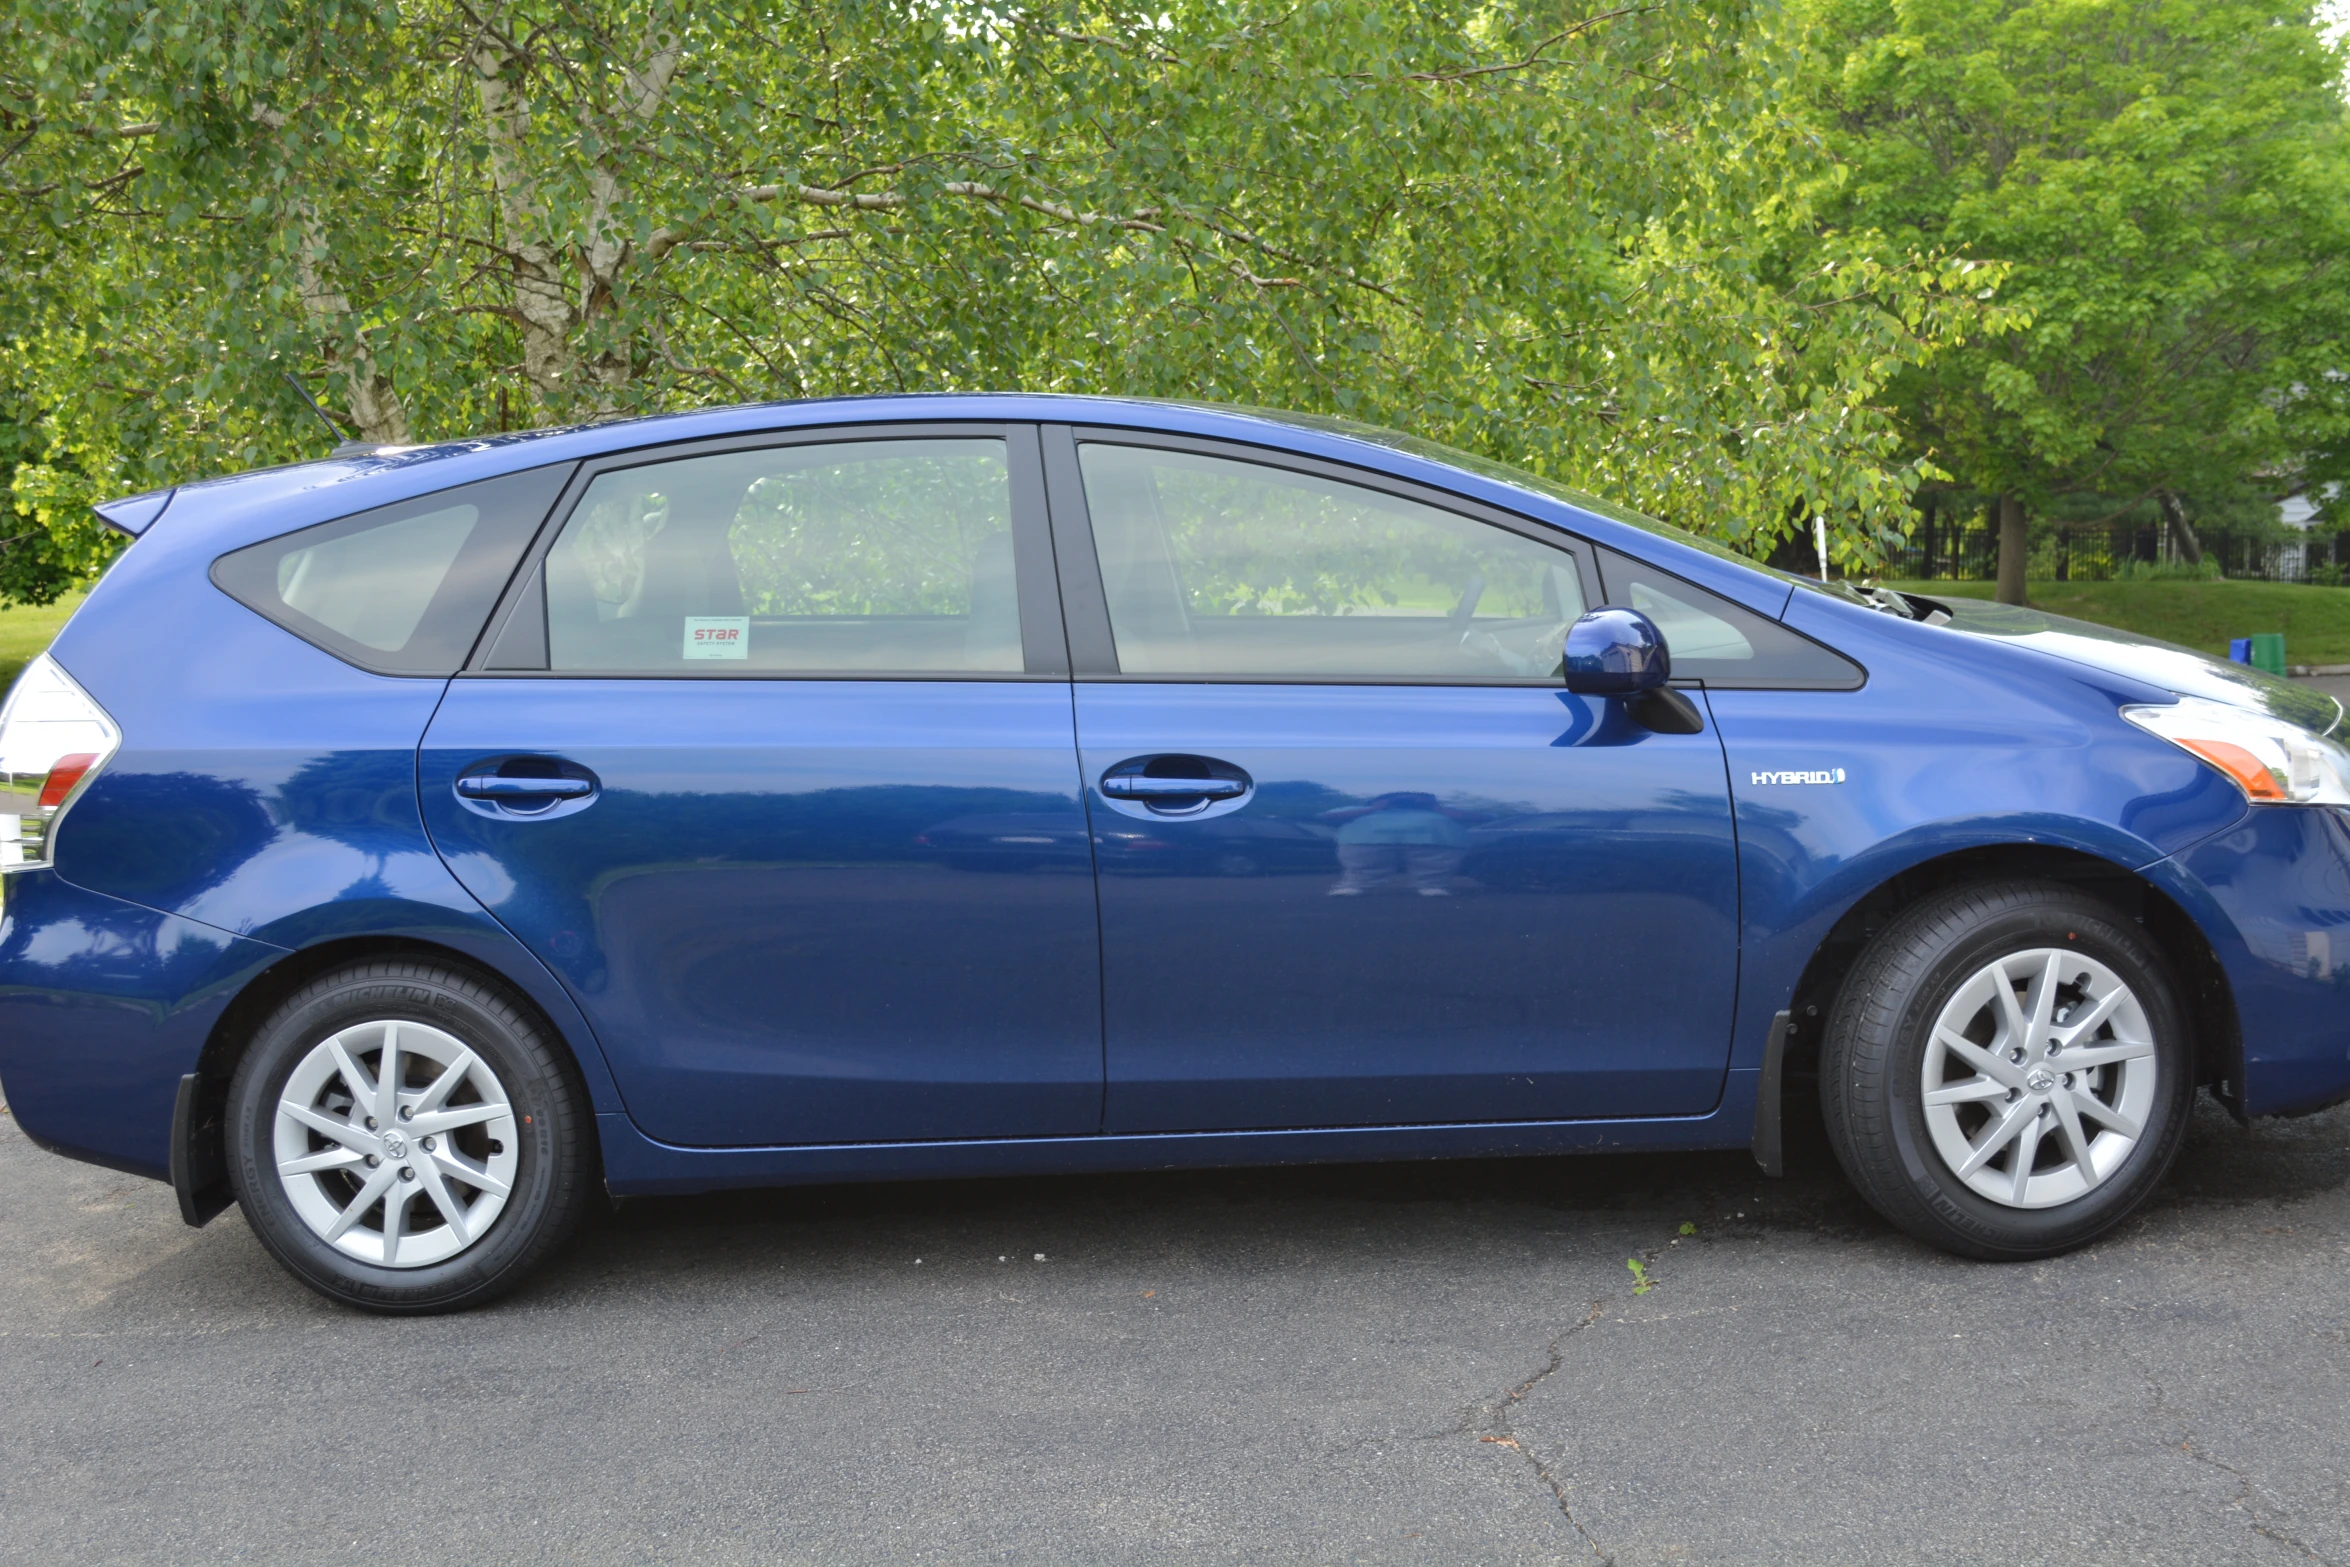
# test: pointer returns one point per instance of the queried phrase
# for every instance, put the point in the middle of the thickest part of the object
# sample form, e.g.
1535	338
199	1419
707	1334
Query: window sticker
717	636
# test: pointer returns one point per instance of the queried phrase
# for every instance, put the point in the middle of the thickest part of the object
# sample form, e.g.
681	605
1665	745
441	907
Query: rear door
1362	860
771	760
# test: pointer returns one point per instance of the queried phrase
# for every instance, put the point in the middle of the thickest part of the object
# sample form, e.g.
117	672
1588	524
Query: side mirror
1616	652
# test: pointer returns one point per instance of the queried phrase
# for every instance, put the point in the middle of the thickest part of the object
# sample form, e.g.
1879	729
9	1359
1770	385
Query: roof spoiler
134	514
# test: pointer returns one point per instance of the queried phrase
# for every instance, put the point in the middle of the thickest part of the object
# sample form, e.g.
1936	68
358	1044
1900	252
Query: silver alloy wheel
383	1113
2039	1077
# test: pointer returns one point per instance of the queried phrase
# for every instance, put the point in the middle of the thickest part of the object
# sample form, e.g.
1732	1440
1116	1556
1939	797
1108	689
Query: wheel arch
199	1167
2203	989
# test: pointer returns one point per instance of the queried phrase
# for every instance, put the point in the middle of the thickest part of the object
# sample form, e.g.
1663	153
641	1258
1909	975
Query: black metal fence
1945	550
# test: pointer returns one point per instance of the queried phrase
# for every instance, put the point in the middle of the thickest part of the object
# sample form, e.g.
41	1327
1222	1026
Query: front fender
1836	793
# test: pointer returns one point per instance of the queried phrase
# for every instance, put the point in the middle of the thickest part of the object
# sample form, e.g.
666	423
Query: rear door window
849	557
402	589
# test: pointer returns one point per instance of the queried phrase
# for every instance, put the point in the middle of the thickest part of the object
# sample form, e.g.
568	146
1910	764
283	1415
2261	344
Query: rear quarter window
402	589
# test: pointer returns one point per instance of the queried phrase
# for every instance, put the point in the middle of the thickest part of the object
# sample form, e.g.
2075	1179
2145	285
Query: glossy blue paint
2280	882
852	929
1952	745
133	514
265	788
104	1006
1613	652
756	916
1500	904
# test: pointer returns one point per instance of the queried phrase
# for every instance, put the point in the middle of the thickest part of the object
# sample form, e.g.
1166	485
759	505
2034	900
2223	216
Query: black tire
555	1154
1872	1061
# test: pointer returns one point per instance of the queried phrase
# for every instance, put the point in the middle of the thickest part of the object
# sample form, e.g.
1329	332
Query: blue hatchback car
404	845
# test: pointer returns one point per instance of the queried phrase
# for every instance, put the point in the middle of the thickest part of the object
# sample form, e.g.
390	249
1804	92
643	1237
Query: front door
1362	860
779	778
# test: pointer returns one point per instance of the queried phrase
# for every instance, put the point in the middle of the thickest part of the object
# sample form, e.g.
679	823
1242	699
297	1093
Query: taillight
52	738
63	775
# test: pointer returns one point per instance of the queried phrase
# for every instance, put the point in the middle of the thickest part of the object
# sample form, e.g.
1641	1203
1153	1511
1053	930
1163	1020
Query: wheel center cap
395	1146
2040	1080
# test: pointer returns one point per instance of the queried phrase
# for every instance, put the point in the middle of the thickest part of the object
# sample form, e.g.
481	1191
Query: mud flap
199	1162
1770	1150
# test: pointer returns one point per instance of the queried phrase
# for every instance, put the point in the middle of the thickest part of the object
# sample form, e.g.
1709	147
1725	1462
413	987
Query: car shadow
2223	1166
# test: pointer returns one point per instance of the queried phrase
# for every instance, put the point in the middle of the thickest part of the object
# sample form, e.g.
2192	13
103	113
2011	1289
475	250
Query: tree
1556	234
2167	181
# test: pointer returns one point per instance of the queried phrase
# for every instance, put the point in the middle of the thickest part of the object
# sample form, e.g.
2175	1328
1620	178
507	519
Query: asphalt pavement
1420	1363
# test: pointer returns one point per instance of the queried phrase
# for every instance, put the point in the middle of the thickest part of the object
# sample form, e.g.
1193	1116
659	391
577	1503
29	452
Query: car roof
243	508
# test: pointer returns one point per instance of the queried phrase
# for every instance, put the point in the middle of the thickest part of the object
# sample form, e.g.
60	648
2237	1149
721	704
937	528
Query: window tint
374	587
1718	642
1217	566
403	589
857	556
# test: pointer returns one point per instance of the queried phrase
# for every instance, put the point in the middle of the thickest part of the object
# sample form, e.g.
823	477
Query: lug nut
407	1174
371	1123
373	1160
426	1143
407	1113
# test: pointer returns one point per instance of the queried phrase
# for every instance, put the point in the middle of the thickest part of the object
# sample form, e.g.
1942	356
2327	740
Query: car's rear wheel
405	1139
2006	1073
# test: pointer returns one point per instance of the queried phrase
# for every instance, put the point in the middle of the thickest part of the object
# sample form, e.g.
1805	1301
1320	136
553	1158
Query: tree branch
1532	60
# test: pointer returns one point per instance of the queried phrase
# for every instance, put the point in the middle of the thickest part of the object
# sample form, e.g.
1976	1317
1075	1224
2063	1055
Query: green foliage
1576	237
2167	182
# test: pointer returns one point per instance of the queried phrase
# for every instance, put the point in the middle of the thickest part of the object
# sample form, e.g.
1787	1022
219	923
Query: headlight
2273	762
53	738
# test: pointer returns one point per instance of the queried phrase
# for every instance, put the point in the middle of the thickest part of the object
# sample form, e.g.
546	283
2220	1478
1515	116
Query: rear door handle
492	787
1129	786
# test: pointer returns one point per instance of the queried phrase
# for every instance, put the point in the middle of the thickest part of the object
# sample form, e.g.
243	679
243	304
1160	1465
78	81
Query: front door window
1217	566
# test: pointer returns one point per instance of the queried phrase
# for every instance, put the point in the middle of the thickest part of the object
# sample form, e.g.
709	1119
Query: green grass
24	632
2315	621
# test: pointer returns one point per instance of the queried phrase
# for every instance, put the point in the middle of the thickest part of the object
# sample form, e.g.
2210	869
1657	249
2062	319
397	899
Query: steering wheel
1469	597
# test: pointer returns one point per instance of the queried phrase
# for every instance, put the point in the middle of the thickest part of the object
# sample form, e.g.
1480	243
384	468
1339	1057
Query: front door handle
1130	786
492	787
1153	787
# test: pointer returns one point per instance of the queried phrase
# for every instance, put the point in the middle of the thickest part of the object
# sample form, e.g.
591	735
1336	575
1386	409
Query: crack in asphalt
1492	1424
2246	1487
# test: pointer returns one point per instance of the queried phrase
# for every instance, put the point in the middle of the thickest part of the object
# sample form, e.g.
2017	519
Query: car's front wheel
404	1139
2006	1073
